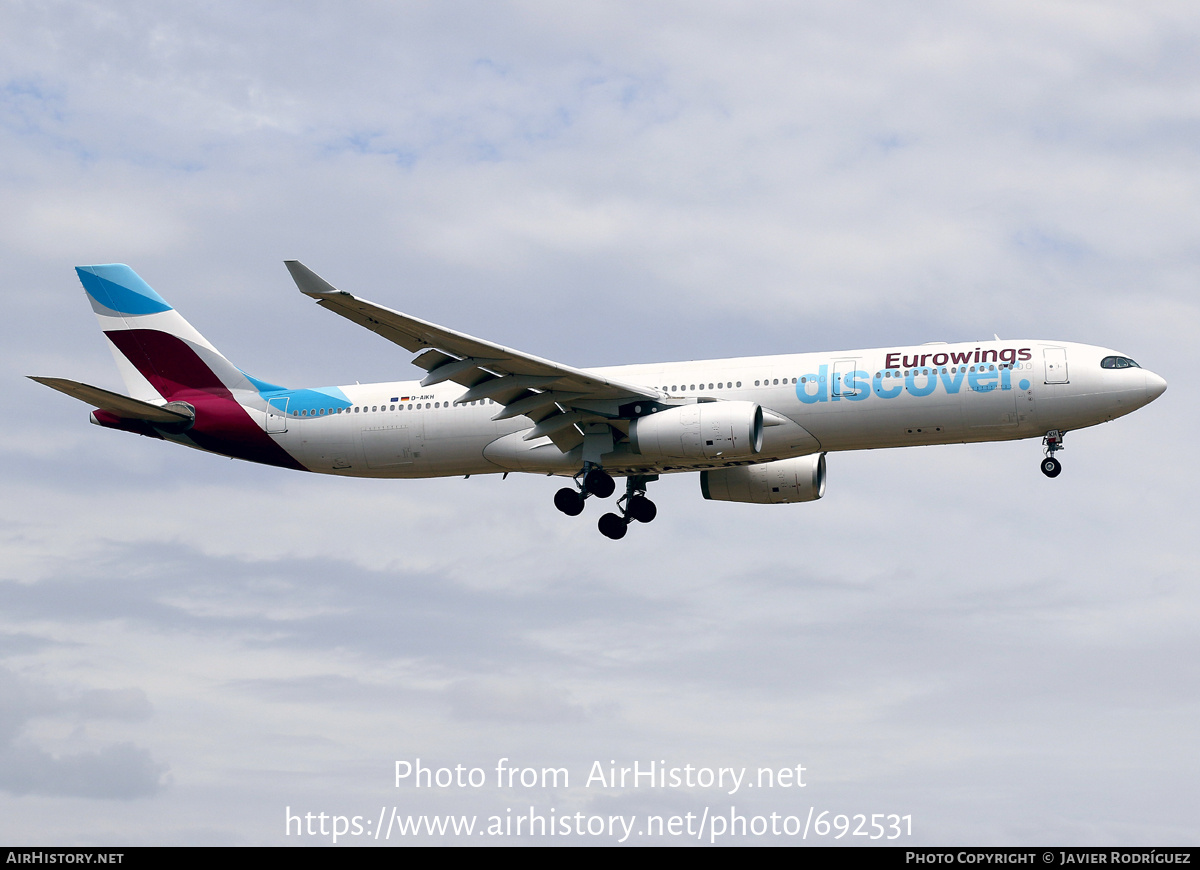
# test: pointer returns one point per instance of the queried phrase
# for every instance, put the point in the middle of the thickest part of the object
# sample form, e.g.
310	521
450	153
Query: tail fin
159	354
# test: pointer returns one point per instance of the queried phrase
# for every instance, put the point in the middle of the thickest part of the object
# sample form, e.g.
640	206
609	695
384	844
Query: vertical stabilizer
165	361
159	354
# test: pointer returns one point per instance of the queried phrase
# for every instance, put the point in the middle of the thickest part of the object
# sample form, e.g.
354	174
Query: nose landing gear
1052	443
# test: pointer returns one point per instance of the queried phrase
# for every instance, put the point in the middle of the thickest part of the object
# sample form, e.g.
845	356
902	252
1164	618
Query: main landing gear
1052	443
593	480
596	481
633	506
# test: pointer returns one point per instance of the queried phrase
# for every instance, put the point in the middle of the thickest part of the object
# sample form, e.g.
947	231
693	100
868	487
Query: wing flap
467	372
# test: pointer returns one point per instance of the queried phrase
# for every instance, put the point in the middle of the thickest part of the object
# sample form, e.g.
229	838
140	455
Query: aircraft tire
613	526
641	509
1051	467
569	501
599	483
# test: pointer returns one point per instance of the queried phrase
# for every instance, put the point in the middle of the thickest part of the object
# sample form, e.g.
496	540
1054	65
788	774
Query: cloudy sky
189	646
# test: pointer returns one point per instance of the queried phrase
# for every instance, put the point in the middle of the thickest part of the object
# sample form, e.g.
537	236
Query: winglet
309	282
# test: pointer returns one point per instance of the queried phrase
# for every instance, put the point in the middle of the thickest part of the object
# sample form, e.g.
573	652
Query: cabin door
842	371
1056	365
277	415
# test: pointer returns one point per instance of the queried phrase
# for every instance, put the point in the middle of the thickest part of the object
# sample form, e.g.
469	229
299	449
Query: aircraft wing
554	396
116	404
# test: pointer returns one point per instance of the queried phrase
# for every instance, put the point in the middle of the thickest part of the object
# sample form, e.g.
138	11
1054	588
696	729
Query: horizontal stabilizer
115	403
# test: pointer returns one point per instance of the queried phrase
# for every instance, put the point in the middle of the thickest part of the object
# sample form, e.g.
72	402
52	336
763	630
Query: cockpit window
1118	362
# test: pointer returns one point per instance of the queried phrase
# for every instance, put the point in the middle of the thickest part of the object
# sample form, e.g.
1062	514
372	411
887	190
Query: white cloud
945	633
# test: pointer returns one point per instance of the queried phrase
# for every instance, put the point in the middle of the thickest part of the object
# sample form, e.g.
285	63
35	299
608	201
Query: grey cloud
332	604
513	699
120	771
120	704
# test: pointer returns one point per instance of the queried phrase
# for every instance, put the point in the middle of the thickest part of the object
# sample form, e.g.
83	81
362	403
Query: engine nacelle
707	430
783	481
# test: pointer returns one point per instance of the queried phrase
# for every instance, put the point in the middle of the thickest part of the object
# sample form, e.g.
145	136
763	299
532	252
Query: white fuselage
816	402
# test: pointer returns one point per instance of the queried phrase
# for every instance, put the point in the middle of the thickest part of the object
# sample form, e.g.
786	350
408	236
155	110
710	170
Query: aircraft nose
1155	386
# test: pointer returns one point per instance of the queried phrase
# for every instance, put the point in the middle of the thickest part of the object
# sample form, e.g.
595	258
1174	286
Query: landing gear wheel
613	526
1051	467
641	509
569	501
599	483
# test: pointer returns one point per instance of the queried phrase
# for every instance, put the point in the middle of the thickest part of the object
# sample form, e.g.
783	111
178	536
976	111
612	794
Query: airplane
756	428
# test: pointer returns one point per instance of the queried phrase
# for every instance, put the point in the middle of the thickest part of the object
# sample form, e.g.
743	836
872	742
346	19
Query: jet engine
783	481
707	430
